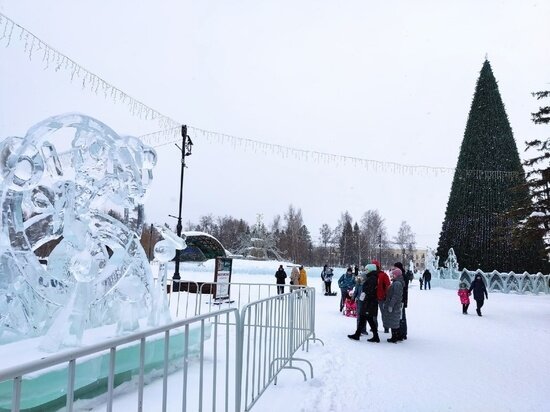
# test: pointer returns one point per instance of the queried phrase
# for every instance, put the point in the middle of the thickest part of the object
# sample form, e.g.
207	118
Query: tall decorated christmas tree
488	185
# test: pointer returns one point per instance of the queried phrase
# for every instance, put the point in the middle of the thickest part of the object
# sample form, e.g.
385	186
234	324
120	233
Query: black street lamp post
187	145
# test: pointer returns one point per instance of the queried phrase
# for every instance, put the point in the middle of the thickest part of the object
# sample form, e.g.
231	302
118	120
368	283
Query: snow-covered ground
498	362
453	362
450	361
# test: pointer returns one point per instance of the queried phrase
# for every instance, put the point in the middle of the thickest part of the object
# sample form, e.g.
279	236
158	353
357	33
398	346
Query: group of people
298	277
374	291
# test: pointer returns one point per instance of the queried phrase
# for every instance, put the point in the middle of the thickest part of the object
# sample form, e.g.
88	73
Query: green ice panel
47	390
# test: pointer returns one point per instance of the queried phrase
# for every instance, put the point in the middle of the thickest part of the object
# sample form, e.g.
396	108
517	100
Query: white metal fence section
222	360
273	329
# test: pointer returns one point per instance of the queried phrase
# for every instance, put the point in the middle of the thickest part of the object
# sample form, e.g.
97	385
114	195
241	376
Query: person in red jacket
382	286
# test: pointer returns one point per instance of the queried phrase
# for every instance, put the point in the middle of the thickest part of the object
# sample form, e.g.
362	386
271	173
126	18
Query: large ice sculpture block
74	185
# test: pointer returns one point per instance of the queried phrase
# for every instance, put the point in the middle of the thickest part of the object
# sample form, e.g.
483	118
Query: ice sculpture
75	184
432	263
451	266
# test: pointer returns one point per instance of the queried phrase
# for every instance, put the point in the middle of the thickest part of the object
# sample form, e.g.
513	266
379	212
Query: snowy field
451	361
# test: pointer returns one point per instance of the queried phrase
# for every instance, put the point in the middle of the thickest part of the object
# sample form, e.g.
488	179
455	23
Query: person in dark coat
402	333
427	276
392	305
280	275
326	275
369	306
480	292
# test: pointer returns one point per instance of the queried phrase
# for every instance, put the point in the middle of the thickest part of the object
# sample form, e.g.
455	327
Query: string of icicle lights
169	132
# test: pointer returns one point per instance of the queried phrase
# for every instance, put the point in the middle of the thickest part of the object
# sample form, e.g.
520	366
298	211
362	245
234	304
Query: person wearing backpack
346	282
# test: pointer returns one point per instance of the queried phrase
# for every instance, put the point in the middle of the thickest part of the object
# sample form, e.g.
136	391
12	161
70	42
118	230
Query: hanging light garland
170	129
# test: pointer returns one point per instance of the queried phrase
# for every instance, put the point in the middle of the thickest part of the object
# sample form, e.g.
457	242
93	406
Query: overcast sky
388	81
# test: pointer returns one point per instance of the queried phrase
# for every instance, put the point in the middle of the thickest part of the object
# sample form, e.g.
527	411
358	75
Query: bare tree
406	241
374	235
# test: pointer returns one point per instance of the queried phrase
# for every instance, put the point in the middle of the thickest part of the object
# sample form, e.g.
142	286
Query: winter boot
375	338
355	336
393	338
478	312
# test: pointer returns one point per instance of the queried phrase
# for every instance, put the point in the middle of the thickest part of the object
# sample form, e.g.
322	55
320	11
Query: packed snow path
450	361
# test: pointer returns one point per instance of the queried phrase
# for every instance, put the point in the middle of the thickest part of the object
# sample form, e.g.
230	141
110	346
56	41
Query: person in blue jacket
345	283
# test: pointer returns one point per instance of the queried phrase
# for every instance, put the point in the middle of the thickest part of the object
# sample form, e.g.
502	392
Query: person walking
480	292
392	305
280	275
427	276
346	282
381	290
464	295
369	305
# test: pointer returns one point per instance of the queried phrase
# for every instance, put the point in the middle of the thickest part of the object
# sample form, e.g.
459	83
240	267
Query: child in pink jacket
464	295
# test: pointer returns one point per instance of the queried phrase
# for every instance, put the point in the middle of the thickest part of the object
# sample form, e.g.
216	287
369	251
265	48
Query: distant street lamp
186	148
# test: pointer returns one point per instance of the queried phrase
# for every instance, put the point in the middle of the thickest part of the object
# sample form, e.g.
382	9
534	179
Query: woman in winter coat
480	292
280	275
393	304
369	305
294	278
303	277
345	283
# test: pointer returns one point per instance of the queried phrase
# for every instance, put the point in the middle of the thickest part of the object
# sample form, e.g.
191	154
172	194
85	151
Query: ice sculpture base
47	390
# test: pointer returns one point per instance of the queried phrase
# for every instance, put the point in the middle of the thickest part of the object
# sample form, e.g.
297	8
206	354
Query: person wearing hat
464	295
392	305
480	292
280	275
369	305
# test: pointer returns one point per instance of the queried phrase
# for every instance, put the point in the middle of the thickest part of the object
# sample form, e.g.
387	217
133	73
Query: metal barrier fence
230	358
193	298
273	329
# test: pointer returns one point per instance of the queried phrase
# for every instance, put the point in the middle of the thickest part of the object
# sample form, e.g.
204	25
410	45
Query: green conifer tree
489	182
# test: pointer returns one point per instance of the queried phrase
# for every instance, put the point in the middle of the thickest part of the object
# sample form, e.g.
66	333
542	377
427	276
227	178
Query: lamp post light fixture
186	147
